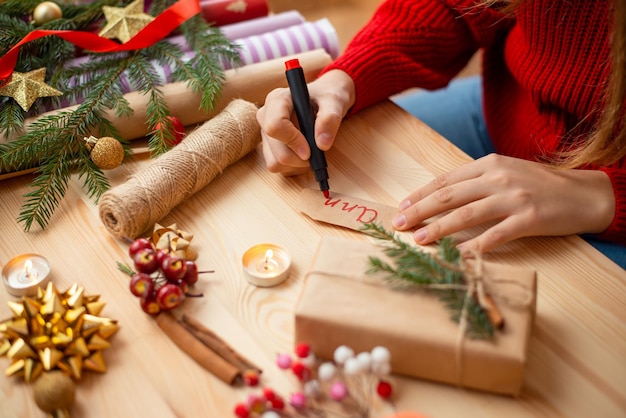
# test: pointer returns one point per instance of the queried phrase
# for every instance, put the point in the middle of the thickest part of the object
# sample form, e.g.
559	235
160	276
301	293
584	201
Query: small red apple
149	304
169	296
145	261
138	244
183	285
174	268
161	254
141	284
191	275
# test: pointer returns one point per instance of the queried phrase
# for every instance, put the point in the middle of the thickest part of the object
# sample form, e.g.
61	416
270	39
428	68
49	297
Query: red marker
306	120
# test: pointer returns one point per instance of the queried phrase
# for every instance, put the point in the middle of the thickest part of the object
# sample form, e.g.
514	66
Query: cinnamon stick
494	314
215	343
193	347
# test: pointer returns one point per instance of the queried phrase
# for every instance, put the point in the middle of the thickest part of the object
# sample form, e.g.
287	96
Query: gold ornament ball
54	391
46	11
107	153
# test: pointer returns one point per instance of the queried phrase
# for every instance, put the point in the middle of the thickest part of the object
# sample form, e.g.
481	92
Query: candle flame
269	254
28	266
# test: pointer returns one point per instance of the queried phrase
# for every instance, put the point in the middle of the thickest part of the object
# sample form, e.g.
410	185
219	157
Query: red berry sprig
161	279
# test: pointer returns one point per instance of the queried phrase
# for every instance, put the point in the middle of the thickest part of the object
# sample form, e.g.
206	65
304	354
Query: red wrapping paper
224	12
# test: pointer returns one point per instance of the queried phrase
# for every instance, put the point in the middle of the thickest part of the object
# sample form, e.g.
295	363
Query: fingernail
323	140
399	221
404	205
420	235
303	152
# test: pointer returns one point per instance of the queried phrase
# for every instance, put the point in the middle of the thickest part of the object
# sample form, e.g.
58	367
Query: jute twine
134	206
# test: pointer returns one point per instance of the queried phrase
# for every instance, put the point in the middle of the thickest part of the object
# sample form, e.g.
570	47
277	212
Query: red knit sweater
543	71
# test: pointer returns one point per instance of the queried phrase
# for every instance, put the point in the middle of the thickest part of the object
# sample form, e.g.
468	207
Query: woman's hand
284	147
516	197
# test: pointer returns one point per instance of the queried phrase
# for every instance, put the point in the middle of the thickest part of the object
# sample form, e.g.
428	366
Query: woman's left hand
516	197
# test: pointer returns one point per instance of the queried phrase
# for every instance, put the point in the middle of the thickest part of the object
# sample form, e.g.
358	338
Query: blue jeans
455	112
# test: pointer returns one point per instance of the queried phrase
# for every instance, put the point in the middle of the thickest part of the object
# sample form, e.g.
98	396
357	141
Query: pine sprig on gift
54	144
440	274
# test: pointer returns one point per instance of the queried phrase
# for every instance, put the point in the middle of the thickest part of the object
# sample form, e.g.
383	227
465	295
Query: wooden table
577	358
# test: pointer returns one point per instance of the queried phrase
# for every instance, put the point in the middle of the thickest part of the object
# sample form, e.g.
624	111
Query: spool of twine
134	206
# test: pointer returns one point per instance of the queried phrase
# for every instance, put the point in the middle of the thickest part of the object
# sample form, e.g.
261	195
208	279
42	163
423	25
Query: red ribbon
152	33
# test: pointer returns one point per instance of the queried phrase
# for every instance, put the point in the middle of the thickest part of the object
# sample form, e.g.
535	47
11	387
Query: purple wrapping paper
306	36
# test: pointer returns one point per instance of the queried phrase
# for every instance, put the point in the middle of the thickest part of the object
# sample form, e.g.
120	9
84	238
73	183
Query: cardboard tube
251	82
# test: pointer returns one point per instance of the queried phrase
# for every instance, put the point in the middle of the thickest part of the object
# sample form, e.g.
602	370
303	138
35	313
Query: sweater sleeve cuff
616	232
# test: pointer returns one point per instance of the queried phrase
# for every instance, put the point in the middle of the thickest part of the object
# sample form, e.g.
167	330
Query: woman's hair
606	144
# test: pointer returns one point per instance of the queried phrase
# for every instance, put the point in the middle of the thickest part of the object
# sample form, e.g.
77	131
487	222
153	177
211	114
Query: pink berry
298	400
384	389
302	350
338	391
283	361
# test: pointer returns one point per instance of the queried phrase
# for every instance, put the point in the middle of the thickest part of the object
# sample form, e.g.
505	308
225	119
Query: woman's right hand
285	149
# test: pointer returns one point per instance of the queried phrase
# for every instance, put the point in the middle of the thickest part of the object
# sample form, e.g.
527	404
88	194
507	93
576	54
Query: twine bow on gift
485	289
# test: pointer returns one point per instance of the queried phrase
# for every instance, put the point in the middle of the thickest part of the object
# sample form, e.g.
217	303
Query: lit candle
266	265
24	273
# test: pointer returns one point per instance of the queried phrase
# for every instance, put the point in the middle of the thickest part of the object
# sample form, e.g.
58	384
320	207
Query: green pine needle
414	269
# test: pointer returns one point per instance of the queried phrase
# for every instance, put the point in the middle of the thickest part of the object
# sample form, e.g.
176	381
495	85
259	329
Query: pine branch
414	269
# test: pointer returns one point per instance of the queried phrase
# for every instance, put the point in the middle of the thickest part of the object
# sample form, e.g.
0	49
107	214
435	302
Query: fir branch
414	269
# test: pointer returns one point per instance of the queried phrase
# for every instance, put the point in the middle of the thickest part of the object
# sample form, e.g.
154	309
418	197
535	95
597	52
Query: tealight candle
266	265
24	273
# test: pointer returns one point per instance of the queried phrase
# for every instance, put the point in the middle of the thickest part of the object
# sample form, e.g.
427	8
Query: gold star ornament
56	331
124	22
25	88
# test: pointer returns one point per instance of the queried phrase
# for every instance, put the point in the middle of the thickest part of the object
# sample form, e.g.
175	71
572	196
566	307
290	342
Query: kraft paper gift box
340	304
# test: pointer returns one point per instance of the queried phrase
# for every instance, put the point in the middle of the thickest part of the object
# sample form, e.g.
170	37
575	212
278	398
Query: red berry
149	304
174	268
302	350
384	389
141	284
300	370
169	296
241	411
277	403
145	261
269	394
251	377
191	273
178	130
138	244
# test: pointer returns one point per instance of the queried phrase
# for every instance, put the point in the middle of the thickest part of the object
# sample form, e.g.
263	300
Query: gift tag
344	210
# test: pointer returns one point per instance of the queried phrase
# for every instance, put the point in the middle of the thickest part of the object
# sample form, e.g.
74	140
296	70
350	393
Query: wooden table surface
577	353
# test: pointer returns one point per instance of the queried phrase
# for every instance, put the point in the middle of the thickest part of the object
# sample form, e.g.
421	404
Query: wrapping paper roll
134	206
251	83
295	39
278	43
